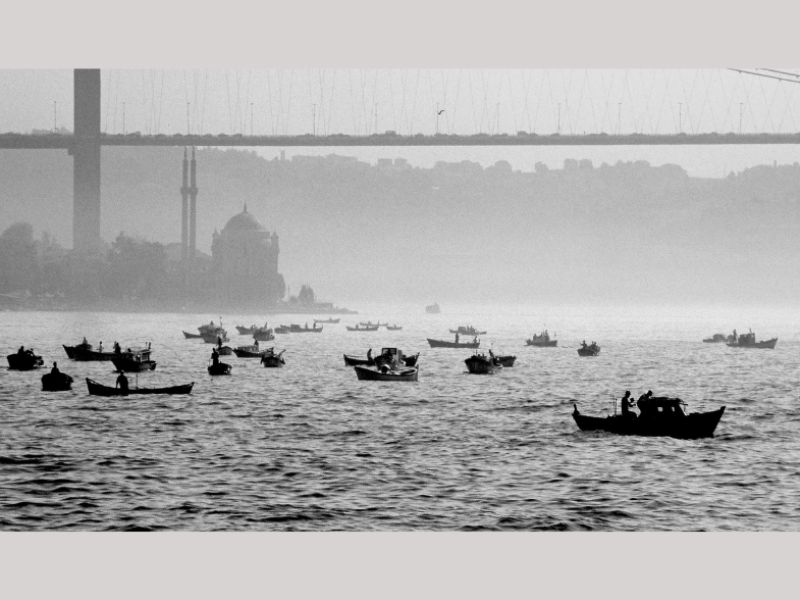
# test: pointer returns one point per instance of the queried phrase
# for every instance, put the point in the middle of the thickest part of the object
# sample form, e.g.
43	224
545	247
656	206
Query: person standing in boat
219	341
456	337
54	370
117	349
734	336
214	357
643	399
627	403
100	346
122	382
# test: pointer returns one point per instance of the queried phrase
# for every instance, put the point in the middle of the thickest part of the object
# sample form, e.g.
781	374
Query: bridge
85	142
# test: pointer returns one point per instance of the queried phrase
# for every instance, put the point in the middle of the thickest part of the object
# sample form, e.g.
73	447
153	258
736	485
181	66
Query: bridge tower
86	162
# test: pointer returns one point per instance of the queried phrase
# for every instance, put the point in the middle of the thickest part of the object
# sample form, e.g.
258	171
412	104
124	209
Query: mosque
243	269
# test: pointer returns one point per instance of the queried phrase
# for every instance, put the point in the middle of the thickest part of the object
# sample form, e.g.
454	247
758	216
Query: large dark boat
456	344
56	382
748	340
480	364
98	389
467	330
541	340
24	360
659	417
384	373
591	350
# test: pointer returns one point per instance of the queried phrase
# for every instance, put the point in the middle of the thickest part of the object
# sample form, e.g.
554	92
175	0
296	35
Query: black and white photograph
549	296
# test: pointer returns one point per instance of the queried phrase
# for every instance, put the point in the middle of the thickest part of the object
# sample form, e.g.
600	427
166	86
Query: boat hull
446	344
272	362
249	352
505	361
56	382
24	362
133	366
98	389
219	369
768	344
244	330
374	328
588	351
371	374
480	365
691	426
189	336
548	344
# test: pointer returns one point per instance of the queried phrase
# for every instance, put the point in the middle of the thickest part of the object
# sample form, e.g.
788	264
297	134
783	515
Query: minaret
185	209
193	209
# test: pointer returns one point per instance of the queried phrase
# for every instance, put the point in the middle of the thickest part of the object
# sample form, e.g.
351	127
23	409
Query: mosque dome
243	222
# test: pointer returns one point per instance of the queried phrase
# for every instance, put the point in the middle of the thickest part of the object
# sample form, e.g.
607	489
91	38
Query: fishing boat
467	330
295	328
456	344
246	330
748	340
56	382
433	309
541	340
394	327
591	350
480	364
660	416
386	374
386	355
215	336
249	351
503	361
82	347
219	368
263	334
98	389
371	324
24	360
187	335
85	352
132	362
270	359
363	328
329	320
718	338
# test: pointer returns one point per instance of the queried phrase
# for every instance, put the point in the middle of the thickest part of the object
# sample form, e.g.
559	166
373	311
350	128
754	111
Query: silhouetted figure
117	349
219	341
456	337
21	350
583	344
122	382
100	346
214	357
627	403
54	370
643	400
734	336
369	354
84	342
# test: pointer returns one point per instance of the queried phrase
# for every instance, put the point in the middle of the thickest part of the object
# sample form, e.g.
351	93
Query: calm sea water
308	447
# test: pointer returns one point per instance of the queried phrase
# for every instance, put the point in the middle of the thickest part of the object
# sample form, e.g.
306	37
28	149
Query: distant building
244	266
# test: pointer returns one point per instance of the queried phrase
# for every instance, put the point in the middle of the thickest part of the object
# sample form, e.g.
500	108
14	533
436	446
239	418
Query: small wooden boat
24	360
393	327
541	340
56	382
371	324
718	338
590	350
219	368
133	362
249	351
329	320
386	374
363	328
263	334
187	335
82	347
215	337
272	360
467	330
480	364
98	389
295	328
659	417
748	340
386	353
433	309
504	361
445	344
85	353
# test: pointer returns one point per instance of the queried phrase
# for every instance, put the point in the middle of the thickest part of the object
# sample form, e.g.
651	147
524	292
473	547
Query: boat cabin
661	406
